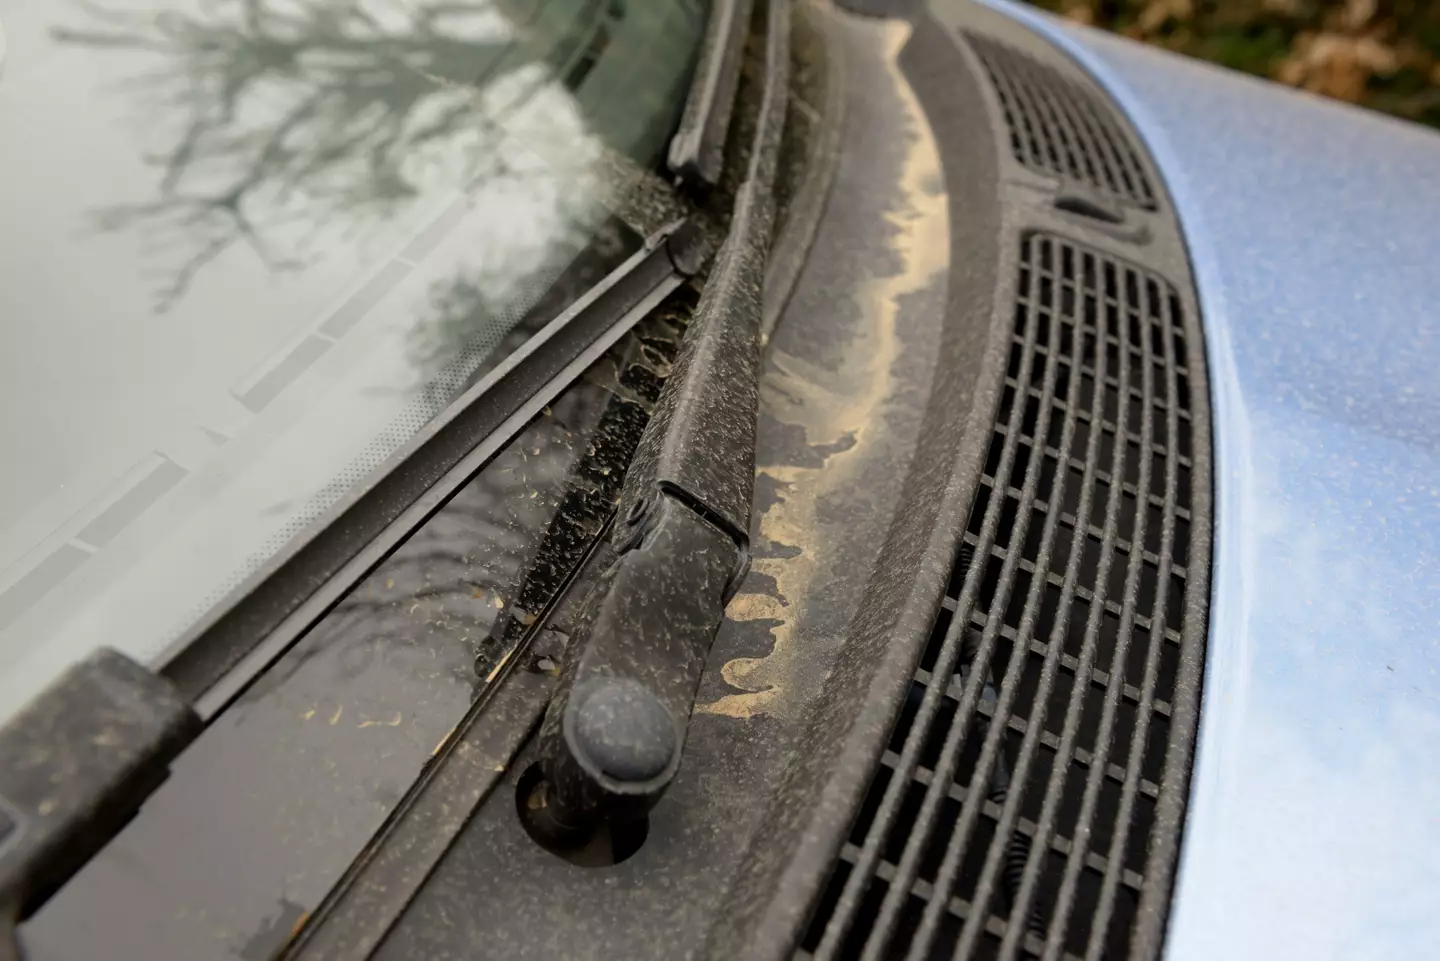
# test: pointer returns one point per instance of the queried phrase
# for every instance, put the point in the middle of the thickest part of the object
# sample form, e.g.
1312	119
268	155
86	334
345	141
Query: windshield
251	247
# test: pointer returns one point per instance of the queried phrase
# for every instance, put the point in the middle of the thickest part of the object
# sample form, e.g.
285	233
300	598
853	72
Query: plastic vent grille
1012	812
1058	128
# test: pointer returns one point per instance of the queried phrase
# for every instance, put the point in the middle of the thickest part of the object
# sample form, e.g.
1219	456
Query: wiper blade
697	151
612	737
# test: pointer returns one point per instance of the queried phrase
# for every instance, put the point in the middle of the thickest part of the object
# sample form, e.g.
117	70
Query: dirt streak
834	406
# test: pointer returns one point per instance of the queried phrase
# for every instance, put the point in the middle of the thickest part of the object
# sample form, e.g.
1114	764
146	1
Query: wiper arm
697	151
75	765
612	737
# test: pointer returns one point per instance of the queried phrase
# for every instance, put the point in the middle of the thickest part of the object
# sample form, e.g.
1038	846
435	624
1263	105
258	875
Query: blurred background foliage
1383	54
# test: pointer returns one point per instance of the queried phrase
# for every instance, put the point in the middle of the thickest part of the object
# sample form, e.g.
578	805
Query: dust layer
840	410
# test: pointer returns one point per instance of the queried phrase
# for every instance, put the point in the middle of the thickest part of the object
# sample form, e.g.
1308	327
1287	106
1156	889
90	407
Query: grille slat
1042	140
1050	451
950	753
1070	883
1057	128
989	875
1151	676
961	837
1117	146
1010	816
1070	664
1024	140
1081	150
949	653
991	809
1066	746
923	891
1071	523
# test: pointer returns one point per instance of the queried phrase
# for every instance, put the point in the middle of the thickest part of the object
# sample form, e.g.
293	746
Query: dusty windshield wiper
79	760
613	735
697	151
58	803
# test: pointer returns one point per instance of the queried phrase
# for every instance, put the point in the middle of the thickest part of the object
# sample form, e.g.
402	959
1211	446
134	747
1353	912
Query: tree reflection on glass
293	120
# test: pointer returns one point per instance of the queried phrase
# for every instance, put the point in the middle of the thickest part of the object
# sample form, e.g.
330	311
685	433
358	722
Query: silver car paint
1314	233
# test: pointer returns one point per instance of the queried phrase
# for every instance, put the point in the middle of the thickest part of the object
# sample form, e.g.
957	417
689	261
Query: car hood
1314	234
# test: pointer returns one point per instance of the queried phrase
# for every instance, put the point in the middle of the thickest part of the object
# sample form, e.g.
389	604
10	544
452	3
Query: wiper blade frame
697	151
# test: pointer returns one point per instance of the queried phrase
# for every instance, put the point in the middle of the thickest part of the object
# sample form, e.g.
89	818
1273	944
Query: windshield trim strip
223	653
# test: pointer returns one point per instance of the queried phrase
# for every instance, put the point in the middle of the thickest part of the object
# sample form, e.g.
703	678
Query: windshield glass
251	247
